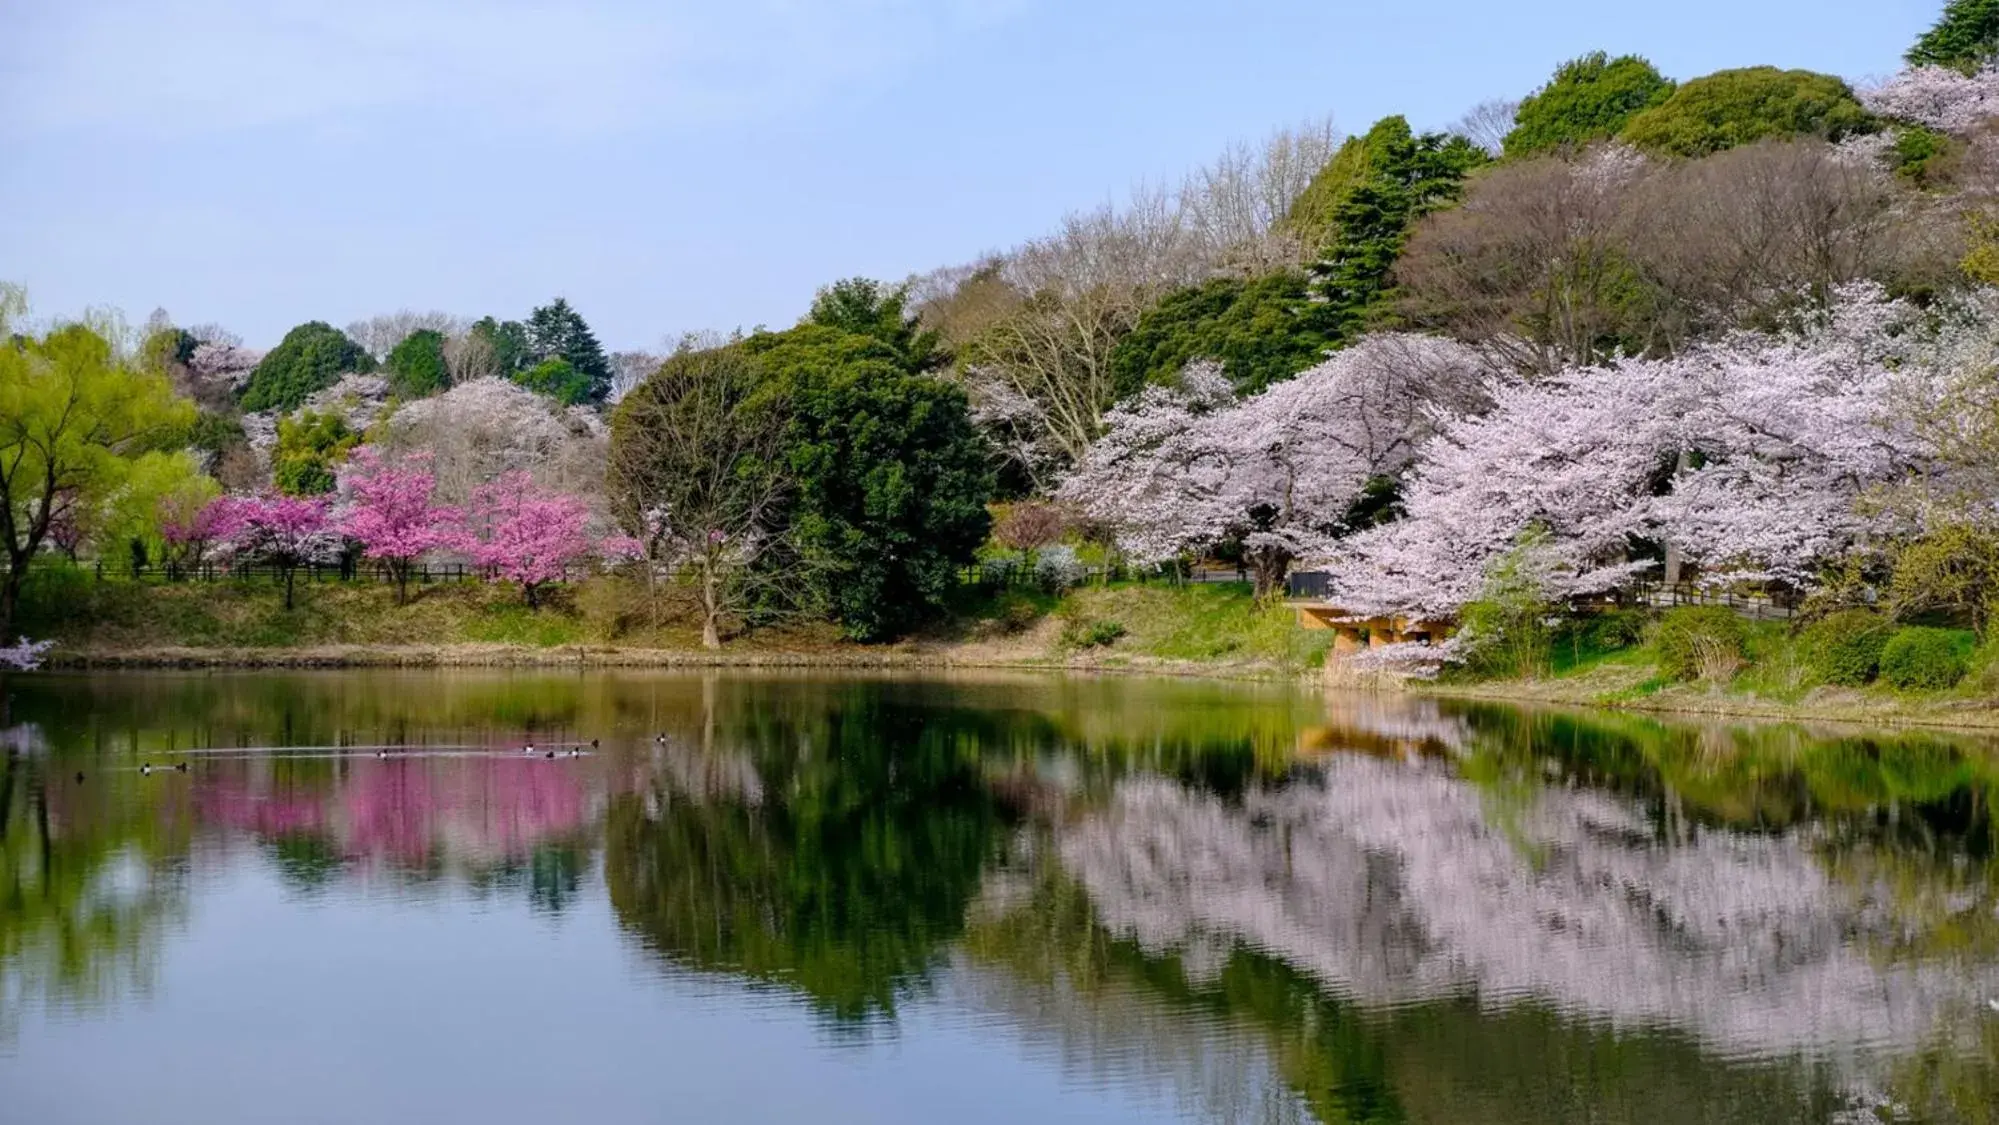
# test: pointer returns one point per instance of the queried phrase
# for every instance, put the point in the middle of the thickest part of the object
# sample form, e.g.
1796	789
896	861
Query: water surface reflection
1096	899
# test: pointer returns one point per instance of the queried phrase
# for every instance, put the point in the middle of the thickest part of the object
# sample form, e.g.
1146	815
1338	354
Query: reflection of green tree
89	877
1751	776
1949	1082
308	862
849	876
555	876
1323	1049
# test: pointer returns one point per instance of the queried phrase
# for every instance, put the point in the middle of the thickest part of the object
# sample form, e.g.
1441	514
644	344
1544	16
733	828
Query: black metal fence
363	570
992	576
1315	585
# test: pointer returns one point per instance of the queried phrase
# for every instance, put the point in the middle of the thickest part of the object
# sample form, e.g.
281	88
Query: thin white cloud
167	68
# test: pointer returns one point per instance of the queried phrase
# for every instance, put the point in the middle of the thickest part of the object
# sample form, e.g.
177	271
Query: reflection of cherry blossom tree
411	812
1393	883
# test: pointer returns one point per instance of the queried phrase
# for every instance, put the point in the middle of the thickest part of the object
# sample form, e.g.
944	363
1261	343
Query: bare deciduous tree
1487	123
696	473
469	356
1027	527
1234	207
1559	261
628	370
1738	235
379	335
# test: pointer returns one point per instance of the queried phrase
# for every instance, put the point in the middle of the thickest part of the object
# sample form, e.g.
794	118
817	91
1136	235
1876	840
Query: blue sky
673	165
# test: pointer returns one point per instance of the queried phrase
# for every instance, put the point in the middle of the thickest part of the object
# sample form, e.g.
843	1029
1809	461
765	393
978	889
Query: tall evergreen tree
556	331
416	366
869	308
1966	36
1388	179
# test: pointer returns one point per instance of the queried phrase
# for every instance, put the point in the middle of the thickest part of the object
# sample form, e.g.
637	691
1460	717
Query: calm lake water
970	899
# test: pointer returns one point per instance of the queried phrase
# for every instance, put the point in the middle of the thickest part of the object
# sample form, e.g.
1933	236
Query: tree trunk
291	572
1271	568
10	601
1671	576
711	638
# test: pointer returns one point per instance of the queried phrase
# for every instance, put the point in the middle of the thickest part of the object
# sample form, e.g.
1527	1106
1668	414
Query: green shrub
1738	107
1589	99
1614	629
1085	633
1505	632
1923	659
1700	643
1017	613
1845	647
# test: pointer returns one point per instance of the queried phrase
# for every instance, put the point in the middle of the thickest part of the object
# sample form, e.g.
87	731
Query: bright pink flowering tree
389	511
284	532
524	534
188	528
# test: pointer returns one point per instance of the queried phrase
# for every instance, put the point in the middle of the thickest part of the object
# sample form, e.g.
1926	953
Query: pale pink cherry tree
389	511
616	550
1281	472
1749	454
1128	481
1938	97
524	534
283	532
1573	455
23	655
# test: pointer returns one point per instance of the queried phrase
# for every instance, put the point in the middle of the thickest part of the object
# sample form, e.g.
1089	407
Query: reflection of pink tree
524	534
285	532
233	803
386	809
391	514
408	810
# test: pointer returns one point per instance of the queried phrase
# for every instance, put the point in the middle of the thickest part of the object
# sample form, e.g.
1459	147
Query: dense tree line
1277	361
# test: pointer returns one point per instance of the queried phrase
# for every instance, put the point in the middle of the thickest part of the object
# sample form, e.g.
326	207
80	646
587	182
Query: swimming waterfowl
550	754
593	744
79	777
180	767
528	749
145	767
381	753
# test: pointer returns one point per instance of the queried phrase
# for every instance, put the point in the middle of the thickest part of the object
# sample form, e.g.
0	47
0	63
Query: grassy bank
1778	672
1207	629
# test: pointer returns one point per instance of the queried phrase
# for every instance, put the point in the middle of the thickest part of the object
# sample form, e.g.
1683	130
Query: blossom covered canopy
284	530
389	509
1282	469
524	534
1748	454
